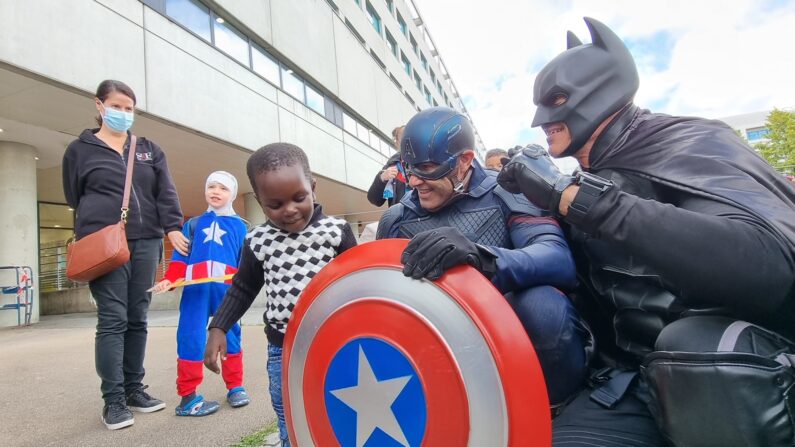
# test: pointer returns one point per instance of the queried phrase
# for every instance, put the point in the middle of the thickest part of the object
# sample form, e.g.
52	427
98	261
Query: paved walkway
49	390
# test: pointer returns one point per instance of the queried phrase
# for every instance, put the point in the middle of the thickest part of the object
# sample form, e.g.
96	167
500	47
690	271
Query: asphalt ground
49	389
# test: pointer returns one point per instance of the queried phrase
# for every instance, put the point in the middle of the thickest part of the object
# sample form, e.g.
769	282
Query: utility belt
742	393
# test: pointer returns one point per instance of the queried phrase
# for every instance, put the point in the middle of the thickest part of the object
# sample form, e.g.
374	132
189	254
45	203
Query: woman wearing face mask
94	170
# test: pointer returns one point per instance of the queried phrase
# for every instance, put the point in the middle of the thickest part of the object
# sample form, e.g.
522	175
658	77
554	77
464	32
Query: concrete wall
79	300
67	301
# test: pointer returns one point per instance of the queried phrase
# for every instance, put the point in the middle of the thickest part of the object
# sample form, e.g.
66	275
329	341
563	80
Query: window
265	65
192	15
358	3
362	133
414	45
353	30
377	59
375	19
428	96
394	79
349	124
417	81
406	63
292	84
433	76
390	42
439	87
757	133
390	5
315	100
231	41
386	148
435	104
56	222
423	61
403	28
334	112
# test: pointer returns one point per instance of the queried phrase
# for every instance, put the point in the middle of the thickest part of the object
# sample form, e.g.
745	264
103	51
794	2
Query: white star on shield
372	399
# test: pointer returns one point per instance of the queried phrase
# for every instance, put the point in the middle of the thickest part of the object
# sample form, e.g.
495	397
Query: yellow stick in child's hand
191	282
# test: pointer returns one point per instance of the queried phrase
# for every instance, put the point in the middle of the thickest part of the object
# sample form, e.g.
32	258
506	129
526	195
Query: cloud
694	58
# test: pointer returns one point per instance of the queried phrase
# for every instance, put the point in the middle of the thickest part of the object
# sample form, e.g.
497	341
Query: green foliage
779	150
257	438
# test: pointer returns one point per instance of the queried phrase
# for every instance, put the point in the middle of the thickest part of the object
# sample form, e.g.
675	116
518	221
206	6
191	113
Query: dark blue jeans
122	304
558	336
275	388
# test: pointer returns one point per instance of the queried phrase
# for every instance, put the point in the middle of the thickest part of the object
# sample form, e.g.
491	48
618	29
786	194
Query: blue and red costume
216	244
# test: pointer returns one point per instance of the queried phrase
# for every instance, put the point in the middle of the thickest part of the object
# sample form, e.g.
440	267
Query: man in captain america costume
456	214
685	244
216	242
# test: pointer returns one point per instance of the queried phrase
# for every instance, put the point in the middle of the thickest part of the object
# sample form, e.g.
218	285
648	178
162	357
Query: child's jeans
275	388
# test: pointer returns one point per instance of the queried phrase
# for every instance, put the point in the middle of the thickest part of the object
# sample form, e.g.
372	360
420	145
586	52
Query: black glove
532	173
432	252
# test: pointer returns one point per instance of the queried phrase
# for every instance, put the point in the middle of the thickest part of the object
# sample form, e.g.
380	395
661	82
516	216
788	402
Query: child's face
286	197
217	195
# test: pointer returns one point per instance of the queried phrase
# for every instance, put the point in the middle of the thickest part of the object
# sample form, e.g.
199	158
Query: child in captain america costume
216	242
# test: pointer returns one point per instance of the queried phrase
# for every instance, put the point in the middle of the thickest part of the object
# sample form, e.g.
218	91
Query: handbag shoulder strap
125	203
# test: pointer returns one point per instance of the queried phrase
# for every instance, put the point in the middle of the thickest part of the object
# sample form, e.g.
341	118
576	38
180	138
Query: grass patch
257	438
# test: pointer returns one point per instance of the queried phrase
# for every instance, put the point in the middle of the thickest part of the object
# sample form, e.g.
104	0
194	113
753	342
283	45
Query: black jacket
93	183
375	194
697	220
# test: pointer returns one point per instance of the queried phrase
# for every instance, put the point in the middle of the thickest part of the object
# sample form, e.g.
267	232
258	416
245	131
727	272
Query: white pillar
253	213
19	228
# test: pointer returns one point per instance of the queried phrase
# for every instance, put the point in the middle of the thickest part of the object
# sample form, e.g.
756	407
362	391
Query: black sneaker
116	415
140	401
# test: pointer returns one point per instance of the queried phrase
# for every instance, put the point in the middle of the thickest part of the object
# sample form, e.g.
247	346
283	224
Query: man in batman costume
684	240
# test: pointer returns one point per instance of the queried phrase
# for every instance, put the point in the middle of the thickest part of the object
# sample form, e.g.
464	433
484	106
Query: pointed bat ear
604	37
572	40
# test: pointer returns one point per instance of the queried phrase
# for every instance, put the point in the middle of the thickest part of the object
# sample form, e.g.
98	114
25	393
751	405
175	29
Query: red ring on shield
448	415
522	383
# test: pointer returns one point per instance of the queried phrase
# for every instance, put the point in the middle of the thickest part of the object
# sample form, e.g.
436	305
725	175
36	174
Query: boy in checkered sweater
281	255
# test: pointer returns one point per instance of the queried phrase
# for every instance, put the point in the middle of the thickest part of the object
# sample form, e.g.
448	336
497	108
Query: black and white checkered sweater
283	263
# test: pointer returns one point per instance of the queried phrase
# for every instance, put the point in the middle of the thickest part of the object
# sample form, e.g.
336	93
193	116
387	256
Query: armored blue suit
533	264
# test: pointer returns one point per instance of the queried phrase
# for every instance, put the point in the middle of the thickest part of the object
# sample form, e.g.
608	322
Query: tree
779	150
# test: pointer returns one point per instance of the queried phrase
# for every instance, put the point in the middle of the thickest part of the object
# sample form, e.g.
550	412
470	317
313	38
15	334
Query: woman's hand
216	344
179	242
389	173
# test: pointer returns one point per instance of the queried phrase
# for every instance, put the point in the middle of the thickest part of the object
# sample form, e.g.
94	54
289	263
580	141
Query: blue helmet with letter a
436	135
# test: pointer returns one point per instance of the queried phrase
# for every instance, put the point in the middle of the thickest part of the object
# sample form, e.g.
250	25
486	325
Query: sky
704	58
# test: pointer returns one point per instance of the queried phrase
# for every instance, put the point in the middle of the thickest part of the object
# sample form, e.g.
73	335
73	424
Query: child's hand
162	286
216	344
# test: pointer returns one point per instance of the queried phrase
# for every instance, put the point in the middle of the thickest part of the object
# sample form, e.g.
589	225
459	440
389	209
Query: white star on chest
372	400
214	233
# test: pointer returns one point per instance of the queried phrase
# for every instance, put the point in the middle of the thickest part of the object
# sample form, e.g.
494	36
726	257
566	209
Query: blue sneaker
197	407
237	397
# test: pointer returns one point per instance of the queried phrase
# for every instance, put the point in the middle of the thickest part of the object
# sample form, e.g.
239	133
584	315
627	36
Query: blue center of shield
374	396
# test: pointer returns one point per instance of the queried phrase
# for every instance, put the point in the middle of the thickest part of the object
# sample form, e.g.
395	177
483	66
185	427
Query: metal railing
52	266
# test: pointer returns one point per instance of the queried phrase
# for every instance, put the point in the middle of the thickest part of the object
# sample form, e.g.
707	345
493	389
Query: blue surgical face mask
118	120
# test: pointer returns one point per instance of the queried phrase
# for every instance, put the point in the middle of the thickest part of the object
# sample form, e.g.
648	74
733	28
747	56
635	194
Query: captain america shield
373	358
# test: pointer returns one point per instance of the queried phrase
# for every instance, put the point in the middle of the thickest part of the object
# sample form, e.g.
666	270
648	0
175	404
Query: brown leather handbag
105	250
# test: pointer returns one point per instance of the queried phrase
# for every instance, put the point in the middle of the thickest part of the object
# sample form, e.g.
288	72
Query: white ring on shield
487	408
